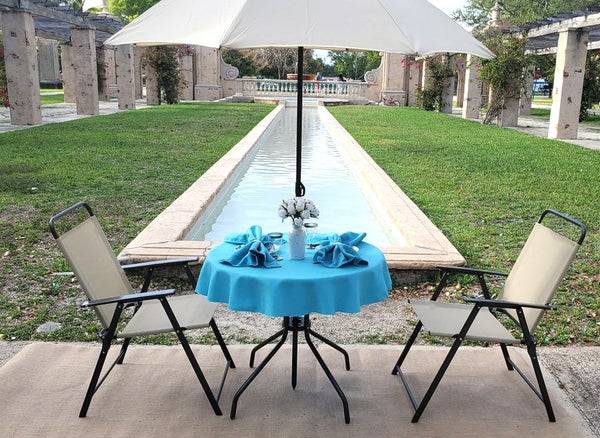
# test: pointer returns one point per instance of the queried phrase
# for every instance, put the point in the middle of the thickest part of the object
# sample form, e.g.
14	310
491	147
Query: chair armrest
130	298
470	271
501	304
161	263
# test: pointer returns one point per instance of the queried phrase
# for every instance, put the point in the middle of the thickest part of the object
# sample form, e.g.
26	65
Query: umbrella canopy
412	27
396	26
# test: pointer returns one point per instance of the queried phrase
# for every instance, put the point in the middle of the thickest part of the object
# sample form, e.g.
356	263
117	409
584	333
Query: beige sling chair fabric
538	271
87	249
534	279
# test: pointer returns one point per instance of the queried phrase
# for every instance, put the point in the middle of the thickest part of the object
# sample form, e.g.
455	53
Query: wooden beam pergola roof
542	35
55	19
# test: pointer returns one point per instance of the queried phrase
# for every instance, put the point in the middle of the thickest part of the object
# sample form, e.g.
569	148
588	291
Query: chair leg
436	380
541	383
124	347
95	376
222	344
107	338
190	354
407	347
506	357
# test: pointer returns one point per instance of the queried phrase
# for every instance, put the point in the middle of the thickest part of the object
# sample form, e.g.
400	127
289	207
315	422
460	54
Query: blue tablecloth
298	287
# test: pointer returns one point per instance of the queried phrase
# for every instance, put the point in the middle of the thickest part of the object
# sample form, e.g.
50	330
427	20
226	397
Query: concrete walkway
589	134
60	112
154	393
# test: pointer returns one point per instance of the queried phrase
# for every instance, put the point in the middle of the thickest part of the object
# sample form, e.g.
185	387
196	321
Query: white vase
296	243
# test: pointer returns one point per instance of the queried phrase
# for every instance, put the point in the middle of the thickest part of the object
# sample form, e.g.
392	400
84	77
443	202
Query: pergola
81	36
570	36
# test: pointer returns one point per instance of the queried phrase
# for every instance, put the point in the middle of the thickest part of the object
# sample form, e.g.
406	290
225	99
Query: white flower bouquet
298	210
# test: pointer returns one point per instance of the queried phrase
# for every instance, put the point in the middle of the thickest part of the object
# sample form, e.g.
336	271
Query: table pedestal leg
295	325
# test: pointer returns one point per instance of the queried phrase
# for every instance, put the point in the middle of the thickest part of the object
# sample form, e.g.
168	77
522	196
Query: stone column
86	71
186	64
138	52
568	83
527	92
68	74
425	72
509	116
152	90
103	72
125	81
394	77
473	85
448	95
48	64
208	75
460	78
22	77
414	81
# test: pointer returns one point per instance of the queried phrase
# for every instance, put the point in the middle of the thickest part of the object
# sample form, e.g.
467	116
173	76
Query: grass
129	166
484	187
542	100
52	98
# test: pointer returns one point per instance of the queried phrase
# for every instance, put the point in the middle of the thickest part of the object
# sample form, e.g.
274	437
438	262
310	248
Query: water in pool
268	177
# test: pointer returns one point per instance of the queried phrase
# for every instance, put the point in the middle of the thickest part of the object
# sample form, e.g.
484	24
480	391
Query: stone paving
60	112
588	134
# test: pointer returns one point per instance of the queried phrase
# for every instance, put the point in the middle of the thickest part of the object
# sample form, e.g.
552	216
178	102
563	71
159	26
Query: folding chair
109	292
528	290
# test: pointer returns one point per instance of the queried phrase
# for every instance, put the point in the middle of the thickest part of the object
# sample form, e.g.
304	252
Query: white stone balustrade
319	89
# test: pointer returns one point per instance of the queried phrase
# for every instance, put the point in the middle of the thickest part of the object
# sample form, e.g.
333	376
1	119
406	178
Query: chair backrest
90	256
540	268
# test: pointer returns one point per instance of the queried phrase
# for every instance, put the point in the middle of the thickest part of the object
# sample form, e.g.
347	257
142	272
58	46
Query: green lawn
484	187
52	98
542	100
129	166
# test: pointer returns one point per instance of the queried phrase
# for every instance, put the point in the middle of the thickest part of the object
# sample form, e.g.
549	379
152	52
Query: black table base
295	325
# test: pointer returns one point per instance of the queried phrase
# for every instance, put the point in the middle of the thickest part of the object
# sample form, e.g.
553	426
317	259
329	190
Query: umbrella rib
410	40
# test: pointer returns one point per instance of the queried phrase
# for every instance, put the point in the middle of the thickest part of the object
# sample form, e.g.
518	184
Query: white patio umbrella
412	27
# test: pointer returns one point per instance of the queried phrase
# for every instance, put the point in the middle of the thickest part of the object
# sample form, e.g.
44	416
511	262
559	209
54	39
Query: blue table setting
283	276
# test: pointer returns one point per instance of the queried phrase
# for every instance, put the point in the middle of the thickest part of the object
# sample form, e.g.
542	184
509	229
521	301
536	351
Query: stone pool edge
164	236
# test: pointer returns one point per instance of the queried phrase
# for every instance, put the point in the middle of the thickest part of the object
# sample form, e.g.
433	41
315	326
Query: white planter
297	243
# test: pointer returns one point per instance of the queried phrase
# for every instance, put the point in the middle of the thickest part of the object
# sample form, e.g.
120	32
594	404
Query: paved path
589	134
60	112
154	393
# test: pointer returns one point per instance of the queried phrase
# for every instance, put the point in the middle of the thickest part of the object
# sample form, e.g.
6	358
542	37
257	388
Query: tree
477	12
504	72
127	10
354	65
274	60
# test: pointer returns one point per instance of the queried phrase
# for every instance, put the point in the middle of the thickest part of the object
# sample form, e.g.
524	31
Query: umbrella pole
299	91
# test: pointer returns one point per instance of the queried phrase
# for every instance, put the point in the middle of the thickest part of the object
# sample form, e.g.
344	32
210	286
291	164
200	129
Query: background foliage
163	59
430	97
477	12
504	72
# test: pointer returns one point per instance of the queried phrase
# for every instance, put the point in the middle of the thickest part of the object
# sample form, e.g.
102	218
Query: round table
294	291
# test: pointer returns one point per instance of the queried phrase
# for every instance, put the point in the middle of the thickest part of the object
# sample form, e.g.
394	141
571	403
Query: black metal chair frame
494	305
108	334
295	325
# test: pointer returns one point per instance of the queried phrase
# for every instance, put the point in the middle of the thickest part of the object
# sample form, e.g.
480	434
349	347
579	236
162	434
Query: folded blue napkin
254	250
336	251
